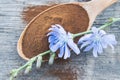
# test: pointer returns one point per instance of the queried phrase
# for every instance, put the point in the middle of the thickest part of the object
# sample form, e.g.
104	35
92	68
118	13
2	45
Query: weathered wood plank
105	67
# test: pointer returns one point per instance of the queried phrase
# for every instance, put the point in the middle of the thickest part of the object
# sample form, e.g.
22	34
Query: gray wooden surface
83	67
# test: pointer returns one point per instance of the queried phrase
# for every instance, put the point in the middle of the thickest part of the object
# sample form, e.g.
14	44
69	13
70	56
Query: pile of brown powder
31	11
72	17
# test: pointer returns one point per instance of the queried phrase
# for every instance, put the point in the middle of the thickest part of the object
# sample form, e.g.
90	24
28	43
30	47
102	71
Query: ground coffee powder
72	17
31	11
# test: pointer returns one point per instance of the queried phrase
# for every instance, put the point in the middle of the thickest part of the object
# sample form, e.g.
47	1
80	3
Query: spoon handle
100	5
94	7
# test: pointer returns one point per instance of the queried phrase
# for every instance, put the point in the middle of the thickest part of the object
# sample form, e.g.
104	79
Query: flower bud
51	60
14	72
39	62
28	69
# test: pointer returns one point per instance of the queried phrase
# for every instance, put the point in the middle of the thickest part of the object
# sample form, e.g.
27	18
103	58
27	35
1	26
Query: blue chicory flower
97	40
59	39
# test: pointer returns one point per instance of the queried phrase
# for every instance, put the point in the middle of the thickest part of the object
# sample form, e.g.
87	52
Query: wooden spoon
74	17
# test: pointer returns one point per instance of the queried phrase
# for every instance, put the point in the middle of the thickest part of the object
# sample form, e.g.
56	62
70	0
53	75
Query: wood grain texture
85	66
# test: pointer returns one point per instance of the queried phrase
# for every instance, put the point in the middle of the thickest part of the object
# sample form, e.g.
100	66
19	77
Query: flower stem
44	53
111	21
15	72
82	33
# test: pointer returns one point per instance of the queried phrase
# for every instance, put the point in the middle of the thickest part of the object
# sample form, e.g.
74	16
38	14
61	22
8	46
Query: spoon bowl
74	17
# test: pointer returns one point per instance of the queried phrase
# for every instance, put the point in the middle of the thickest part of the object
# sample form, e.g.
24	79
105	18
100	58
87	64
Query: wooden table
82	67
